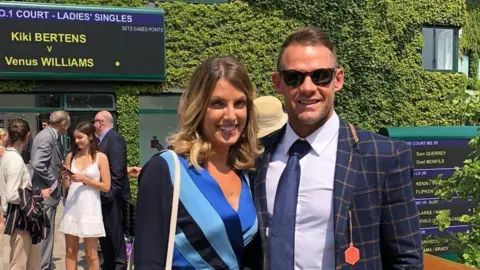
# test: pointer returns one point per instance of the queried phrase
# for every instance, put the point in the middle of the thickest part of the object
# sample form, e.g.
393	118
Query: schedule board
42	41
437	151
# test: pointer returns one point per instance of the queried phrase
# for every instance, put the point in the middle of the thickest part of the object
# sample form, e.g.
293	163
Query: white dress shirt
314	232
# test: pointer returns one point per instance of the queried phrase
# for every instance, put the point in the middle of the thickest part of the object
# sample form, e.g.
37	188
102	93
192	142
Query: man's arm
41	156
118	163
401	243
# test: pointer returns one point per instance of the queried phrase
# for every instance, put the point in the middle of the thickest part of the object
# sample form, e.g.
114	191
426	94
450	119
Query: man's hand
133	172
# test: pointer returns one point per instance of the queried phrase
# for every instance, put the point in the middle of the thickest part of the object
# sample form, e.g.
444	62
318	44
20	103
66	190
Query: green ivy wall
379	43
470	41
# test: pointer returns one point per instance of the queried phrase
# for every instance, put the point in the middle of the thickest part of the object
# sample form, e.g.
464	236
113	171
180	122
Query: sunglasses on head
320	77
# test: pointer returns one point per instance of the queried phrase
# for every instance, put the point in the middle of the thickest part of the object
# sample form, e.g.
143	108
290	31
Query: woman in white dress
82	215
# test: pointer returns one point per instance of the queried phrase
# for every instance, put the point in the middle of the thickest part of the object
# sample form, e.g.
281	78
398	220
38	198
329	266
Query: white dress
82	215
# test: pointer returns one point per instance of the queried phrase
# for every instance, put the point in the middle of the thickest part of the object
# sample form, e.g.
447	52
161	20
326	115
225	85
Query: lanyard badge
352	254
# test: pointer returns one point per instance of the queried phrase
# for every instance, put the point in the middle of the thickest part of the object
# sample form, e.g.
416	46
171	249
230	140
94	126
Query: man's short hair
58	117
307	36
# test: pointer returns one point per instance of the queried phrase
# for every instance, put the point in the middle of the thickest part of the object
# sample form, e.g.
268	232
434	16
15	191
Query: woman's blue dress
210	234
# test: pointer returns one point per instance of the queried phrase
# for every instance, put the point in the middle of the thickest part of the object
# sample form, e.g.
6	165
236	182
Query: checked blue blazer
373	181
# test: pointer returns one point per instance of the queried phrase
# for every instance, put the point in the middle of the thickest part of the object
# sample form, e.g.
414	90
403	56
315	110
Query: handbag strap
173	217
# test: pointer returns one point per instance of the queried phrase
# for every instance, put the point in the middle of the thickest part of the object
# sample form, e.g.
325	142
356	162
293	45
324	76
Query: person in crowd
46	161
216	144
24	229
330	195
3	142
271	116
82	215
45	123
113	146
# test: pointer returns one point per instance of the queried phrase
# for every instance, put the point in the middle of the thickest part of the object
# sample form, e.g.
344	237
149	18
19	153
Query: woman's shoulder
155	172
157	163
11	158
100	158
100	154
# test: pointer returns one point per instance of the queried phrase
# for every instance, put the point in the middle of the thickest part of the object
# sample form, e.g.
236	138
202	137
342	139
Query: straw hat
270	115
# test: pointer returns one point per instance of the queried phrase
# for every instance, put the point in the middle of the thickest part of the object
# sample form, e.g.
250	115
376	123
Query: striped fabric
28	215
210	233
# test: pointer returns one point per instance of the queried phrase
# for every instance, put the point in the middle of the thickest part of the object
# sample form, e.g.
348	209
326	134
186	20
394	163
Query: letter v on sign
49	48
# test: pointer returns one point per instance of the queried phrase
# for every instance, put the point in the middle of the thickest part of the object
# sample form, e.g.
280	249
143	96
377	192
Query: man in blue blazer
330	195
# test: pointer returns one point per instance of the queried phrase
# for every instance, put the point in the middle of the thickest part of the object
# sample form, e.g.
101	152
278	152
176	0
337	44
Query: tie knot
300	148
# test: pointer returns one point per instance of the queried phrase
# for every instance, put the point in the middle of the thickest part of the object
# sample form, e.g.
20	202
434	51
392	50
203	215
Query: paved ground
59	248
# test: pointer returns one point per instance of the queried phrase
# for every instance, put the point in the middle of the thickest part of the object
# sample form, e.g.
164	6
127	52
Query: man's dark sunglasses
320	77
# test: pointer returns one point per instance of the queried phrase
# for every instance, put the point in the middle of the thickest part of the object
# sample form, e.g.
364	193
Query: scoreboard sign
41	41
437	151
432	157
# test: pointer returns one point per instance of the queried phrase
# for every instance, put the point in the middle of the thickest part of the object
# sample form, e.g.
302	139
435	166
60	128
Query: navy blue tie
282	226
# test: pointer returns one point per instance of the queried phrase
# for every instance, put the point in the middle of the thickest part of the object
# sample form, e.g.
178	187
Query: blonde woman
3	141
217	144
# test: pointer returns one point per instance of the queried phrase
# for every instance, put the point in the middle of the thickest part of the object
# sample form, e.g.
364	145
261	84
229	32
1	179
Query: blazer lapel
56	142
102	143
259	191
347	166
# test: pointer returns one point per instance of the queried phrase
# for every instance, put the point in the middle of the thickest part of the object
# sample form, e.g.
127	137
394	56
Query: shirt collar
12	149
55	133
100	139
319	139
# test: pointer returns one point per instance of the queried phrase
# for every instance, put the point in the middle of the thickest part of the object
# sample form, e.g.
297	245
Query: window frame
455	53
467	54
73	109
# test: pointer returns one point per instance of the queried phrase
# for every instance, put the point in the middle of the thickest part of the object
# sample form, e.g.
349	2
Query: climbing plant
378	42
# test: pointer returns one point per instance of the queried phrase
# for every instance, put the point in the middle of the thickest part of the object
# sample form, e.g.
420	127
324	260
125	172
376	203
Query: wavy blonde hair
188	139
3	132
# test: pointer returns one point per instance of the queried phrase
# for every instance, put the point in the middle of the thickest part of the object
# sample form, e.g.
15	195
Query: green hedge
471	38
196	32
379	43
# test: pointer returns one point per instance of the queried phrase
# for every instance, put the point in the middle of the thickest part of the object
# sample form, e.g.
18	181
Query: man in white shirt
329	195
